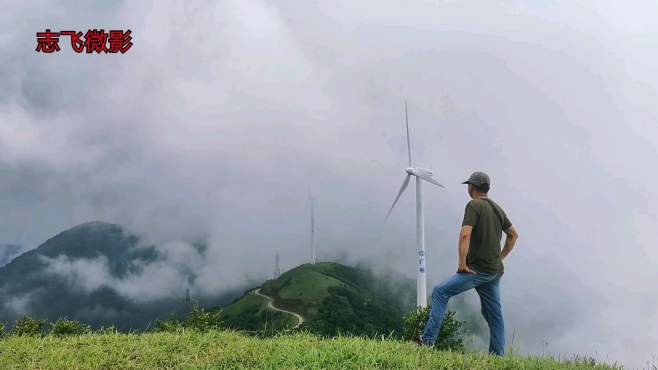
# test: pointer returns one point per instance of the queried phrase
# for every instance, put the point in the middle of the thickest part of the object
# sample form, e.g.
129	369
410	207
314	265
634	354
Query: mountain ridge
8	252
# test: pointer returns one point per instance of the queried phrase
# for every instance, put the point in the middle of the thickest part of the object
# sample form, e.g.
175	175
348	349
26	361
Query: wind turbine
312	201
420	174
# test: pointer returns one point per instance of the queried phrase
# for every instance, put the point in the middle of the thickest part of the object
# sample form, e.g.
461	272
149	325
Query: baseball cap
478	178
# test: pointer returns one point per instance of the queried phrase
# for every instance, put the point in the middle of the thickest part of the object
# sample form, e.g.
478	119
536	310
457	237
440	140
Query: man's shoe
419	342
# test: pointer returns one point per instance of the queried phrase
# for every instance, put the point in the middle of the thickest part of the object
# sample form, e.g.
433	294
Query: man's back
488	221
480	263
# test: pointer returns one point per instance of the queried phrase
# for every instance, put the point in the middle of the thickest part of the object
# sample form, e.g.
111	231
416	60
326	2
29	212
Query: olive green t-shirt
484	251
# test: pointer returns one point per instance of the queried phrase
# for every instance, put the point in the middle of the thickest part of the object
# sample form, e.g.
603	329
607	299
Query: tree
28	326
197	319
69	327
451	337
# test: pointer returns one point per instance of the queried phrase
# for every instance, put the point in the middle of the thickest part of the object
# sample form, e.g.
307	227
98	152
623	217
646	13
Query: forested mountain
38	284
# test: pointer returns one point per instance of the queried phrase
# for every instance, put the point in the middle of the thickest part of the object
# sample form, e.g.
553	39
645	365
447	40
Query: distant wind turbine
312	201
277	269
420	174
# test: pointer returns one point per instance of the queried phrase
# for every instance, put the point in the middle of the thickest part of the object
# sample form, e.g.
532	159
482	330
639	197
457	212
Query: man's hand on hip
465	268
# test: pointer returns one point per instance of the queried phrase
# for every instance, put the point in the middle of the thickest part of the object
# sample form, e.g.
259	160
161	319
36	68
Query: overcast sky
223	115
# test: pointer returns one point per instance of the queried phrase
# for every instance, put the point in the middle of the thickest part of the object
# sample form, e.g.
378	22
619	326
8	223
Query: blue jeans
488	288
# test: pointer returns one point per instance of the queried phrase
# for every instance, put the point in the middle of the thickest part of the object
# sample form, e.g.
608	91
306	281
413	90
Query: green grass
231	350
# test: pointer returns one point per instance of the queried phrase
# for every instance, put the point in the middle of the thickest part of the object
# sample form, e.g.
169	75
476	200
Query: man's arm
464	244
510	241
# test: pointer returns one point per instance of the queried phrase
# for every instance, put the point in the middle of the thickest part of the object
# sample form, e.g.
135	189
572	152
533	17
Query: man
480	263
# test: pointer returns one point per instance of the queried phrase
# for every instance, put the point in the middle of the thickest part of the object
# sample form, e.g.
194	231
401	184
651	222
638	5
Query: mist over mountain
91	273
102	274
7	252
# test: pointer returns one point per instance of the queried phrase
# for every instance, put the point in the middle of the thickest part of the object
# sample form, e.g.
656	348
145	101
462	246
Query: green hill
229	350
332	298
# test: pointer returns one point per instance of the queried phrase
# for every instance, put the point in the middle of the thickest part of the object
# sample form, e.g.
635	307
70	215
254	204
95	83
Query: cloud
221	117
146	281
19	304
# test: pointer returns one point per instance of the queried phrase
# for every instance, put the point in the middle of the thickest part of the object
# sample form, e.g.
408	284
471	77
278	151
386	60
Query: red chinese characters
120	41
94	41
47	42
76	43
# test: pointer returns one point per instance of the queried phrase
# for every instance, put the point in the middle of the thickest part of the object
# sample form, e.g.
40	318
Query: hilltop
331	297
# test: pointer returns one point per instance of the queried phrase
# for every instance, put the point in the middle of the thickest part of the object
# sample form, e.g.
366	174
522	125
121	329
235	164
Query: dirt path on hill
270	304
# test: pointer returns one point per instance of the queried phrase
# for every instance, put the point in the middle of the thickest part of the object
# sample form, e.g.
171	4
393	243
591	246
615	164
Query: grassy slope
258	307
331	297
303	288
187	350
300	290
245	303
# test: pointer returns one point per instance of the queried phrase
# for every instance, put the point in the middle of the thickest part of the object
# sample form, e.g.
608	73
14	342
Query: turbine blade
406	120
429	179
405	183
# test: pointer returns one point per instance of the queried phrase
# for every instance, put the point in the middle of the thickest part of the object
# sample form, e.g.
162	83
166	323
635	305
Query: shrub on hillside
202	320
3	329
197	319
170	325
451	336
28	326
69	327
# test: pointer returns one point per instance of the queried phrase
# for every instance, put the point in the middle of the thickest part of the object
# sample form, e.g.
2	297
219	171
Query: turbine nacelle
419	172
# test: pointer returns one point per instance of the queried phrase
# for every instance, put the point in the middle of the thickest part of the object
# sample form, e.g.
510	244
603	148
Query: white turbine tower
420	174
312	201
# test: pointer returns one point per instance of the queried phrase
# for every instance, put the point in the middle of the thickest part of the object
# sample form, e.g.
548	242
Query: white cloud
145	281
20	304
